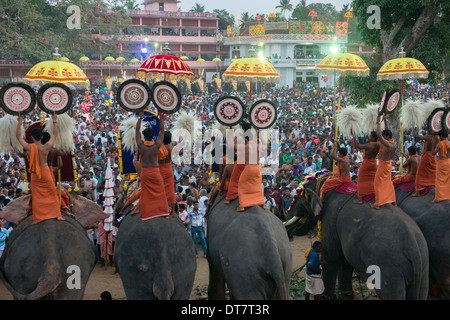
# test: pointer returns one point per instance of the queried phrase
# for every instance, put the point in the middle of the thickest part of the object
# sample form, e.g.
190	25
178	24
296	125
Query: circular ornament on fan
229	110
393	101
166	97
133	95
446	120
54	98
263	114
17	98
382	104
435	121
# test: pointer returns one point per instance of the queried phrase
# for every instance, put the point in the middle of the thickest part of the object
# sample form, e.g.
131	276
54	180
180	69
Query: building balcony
288	63
166	14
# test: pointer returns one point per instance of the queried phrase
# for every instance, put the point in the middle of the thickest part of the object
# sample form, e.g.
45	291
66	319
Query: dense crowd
305	124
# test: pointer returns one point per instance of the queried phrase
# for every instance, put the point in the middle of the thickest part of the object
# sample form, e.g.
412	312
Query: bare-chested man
411	163
45	203
384	188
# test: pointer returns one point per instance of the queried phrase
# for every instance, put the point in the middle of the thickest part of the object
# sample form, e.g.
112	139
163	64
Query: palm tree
131	5
197	8
285	5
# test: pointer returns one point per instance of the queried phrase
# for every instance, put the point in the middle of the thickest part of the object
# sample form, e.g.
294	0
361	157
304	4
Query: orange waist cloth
136	195
403	179
426	172
442	191
44	199
169	182
366	175
384	188
332	183
153	201
234	181
250	189
443	147
33	159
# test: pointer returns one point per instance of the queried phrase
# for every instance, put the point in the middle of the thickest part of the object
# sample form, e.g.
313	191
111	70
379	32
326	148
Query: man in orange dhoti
250	191
153	202
342	171
232	192
165	167
426	172
368	168
411	163
384	188
44	200
441	145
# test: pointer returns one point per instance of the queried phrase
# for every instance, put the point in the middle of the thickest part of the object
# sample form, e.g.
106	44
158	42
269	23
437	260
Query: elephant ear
87	212
16	210
314	201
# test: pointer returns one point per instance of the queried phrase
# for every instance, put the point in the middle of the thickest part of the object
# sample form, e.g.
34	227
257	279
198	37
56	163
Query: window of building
170	32
161	6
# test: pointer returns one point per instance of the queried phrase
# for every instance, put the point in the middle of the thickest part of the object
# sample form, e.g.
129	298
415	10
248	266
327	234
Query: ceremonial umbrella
57	71
108	203
170	67
399	69
346	64
249	69
184	58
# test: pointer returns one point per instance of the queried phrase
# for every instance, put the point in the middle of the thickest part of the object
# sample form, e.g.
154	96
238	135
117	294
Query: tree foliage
225	18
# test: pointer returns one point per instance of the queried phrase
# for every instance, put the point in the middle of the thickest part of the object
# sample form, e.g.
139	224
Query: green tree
285	5
225	18
197	8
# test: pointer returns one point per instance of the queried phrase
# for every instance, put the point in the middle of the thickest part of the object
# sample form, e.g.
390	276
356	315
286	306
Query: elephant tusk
291	221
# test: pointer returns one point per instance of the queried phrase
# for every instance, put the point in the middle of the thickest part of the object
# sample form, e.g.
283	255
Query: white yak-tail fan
412	114
186	121
349	121
128	133
64	138
369	119
8	137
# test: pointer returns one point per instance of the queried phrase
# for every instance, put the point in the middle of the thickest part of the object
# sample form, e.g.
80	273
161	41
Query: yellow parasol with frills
251	68
399	69
346	64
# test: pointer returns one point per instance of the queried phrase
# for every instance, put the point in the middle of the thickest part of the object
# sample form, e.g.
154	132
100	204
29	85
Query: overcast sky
252	6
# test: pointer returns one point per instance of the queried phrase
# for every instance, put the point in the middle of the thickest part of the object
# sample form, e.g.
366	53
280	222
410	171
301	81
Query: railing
299	63
172	14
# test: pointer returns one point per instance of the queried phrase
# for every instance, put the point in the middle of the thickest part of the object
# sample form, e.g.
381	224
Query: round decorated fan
446	120
229	110
17	98
393	102
166	97
382	104
263	114
133	95
54	98
435	121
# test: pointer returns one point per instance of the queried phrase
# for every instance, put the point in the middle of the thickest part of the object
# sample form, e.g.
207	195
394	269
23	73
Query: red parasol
170	66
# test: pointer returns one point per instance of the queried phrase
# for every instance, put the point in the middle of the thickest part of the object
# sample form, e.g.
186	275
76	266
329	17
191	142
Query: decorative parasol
57	71
346	64
170	67
184	58
134	60
251	68
108	195
64	59
399	69
109	58
84	58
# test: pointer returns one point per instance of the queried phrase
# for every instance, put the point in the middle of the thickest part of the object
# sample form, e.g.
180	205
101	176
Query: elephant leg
330	271
345	276
216	286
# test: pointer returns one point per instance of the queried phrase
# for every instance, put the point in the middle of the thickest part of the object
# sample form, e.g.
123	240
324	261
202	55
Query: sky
252	6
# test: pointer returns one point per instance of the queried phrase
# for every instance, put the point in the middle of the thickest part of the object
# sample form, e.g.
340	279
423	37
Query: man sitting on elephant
250	191
384	188
44	200
342	171
412	163
153	200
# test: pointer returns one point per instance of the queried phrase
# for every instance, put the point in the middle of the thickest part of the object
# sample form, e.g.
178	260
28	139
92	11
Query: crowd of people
305	123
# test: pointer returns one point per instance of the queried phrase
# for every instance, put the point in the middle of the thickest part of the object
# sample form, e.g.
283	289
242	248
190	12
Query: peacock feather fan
128	132
349	121
64	137
8	137
412	114
428	107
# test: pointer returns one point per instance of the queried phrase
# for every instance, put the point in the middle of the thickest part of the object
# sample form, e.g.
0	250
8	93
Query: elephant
155	258
434	221
384	246
248	251
53	259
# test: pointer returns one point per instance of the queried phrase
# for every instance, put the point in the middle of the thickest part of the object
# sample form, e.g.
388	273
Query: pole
335	118
251	84
402	134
